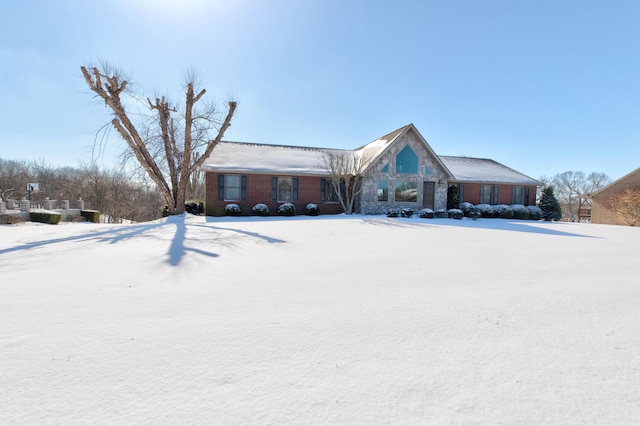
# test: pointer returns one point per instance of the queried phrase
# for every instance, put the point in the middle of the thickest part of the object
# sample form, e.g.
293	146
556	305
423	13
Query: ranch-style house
402	170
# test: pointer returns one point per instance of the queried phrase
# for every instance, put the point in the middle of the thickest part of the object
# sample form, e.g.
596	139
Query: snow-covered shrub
287	209
502	211
440	213
455	213
520	211
485	210
232	210
535	213
393	212
426	214
399	212
260	209
312	209
195	207
406	212
467	208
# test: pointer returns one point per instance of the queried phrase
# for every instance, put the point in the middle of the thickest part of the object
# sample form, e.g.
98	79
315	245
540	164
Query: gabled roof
242	157
376	149
263	158
482	170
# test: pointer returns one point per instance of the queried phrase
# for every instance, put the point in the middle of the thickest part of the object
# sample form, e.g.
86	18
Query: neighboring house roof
262	158
467	169
613	184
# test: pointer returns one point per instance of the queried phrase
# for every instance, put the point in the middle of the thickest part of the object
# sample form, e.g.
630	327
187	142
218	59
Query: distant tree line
116	193
569	186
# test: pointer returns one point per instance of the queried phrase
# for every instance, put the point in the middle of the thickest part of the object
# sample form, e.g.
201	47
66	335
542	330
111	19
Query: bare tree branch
178	160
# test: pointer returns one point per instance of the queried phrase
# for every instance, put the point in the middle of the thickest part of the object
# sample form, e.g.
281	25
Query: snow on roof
466	169
263	158
243	157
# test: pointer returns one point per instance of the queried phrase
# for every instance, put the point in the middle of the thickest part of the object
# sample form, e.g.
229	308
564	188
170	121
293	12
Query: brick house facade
600	212
402	170
260	189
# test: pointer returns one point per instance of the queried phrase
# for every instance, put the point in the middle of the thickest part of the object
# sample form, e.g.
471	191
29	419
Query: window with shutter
232	187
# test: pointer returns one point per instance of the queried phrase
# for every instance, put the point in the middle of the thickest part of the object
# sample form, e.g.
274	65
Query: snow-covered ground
326	320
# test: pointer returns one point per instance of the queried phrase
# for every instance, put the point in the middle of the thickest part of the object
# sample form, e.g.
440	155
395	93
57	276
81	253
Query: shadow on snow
493	224
178	247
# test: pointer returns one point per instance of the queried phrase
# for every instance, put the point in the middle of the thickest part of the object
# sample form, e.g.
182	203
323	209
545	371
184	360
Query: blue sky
542	87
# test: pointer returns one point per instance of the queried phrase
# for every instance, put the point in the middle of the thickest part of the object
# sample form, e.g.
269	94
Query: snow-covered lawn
326	320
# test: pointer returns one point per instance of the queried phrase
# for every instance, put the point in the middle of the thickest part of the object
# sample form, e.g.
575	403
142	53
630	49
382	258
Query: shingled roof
483	170
242	157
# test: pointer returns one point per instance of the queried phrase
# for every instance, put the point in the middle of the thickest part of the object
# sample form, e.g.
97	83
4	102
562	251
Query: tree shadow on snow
111	236
178	248
241	231
532	227
495	224
117	234
396	222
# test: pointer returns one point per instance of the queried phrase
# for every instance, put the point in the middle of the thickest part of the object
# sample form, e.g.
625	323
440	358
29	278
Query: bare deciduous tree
626	205
171	147
346	169
570	186
596	181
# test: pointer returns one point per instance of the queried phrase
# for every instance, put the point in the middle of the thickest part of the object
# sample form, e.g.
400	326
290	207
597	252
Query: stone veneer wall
369	203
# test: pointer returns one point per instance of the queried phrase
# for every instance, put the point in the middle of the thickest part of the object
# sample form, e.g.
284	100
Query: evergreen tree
549	205
453	198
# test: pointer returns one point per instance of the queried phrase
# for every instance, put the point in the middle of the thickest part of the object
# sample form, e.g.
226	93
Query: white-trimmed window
284	189
232	187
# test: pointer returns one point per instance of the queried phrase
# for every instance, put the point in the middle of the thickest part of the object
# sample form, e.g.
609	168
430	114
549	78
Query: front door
428	193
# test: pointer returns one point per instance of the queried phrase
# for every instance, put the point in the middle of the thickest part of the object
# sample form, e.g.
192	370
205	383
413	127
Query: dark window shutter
482	187
526	195
243	187
513	195
461	192
295	189
495	194
274	188
220	187
323	190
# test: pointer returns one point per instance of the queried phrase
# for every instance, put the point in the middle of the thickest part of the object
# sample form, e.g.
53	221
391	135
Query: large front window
406	191
232	187
383	190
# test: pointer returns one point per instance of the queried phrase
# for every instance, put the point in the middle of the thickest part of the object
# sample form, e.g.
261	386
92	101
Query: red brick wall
472	194
259	191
